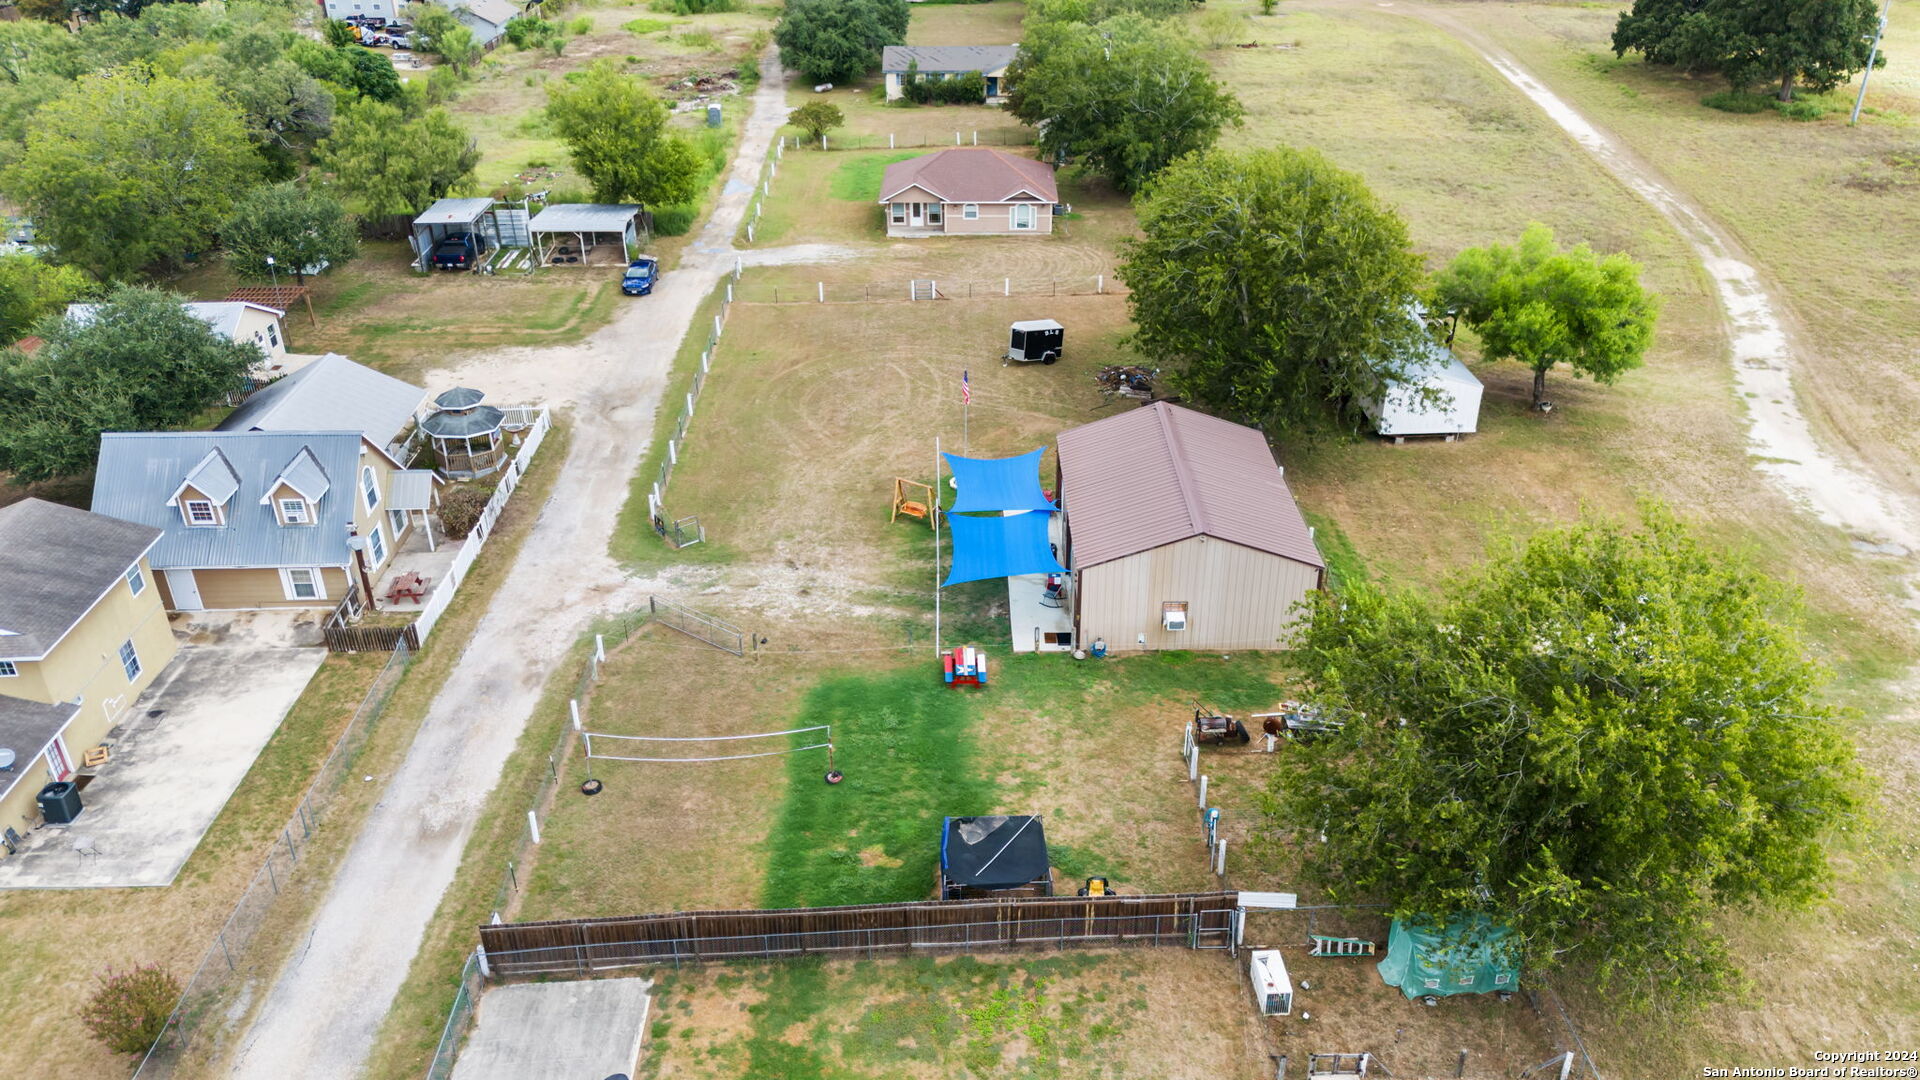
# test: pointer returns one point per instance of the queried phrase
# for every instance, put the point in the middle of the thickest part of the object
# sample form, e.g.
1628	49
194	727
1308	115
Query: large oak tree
1814	43
617	133
1277	285
1603	738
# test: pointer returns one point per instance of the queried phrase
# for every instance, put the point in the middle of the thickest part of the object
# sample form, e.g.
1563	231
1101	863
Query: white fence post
1006	287
706	359
480	954
1100	283
976	138
736	268
1220	863
823	140
1203	780
573	706
823	291
890	145
673	458
689	404
956	138
749	232
533	825
729	292
600	648
1193	765
716	328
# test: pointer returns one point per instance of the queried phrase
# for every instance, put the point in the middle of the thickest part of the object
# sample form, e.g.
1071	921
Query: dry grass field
811	409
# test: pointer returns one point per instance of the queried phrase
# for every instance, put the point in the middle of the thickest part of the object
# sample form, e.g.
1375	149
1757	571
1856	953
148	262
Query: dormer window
294	512
201	512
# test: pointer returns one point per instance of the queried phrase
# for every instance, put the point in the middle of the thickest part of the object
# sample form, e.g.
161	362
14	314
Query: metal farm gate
718	633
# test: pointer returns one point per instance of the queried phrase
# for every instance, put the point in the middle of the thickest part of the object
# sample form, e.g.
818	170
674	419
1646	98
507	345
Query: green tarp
1468	955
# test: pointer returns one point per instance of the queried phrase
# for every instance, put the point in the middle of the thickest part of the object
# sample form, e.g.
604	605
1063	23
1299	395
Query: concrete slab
414	556
282	628
585	1030
1032	616
183	749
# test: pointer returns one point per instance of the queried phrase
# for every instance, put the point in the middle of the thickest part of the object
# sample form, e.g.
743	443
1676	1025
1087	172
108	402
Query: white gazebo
587	225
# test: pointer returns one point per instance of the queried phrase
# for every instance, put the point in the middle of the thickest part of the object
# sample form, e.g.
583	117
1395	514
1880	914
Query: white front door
916	214
186	594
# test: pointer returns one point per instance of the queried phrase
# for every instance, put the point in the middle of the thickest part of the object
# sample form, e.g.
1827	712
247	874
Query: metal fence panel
716	632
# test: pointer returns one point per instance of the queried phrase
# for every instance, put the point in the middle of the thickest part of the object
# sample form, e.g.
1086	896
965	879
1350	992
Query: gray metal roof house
945	62
334	394
256	518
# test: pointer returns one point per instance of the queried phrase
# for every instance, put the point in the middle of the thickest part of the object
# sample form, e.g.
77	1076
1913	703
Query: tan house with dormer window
82	634
260	519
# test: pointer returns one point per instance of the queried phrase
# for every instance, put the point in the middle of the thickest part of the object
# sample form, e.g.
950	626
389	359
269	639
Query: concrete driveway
583	1030
177	757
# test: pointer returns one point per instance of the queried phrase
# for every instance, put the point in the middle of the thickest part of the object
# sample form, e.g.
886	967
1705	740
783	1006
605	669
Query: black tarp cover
997	852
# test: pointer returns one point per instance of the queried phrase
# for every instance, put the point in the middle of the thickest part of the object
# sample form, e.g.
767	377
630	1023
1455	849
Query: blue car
641	275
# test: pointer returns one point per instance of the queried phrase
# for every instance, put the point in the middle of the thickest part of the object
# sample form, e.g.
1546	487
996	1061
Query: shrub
460	508
816	118
130	1008
1801	109
674	220
1219	27
697	39
581	25
645	26
967	89
525	31
1737	101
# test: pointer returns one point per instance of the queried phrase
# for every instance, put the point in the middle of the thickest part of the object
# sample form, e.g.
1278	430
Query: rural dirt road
319	1019
1826	480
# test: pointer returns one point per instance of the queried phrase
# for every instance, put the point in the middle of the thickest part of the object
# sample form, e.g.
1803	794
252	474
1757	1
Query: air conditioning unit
1173	617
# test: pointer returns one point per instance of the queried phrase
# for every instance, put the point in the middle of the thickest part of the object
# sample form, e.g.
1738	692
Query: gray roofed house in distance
947	61
333	393
1181	533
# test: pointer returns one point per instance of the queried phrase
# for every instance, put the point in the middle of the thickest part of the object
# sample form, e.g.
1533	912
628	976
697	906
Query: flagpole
935	511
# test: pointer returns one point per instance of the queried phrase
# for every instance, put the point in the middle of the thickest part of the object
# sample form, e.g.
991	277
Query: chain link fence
241	960
473	974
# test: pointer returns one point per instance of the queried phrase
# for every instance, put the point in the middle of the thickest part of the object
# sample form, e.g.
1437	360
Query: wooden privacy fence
369	638
1193	920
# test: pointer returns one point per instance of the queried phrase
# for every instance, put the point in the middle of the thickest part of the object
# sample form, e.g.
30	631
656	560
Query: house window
273	335
129	661
899	213
136	581
377	544
1023	216
200	512
397	521
369	486
293	512
7	670
301	584
970	212
934	213
1173	616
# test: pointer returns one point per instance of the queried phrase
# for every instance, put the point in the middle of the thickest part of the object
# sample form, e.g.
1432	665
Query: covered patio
585	234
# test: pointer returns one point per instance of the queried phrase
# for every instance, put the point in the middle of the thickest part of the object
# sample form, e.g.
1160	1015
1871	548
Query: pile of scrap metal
1127	380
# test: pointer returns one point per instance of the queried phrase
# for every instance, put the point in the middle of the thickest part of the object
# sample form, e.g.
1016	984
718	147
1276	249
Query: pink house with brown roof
969	191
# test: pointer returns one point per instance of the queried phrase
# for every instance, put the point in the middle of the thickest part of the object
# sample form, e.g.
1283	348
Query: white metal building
1439	396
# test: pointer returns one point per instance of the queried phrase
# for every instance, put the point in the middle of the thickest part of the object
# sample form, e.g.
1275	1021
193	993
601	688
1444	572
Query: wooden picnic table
408	586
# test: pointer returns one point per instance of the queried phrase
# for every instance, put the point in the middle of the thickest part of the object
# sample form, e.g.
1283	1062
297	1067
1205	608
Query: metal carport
452	217
589	224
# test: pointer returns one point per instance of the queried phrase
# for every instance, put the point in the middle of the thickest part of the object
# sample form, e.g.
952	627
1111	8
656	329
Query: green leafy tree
129	1009
438	33
151	184
1125	97
1274	283
816	118
387	163
31	289
337	32
617	133
141	362
1816	43
294	226
1603	738
1542	306
372	75
839	40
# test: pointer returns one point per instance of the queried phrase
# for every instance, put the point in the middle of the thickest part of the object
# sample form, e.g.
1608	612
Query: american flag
966	390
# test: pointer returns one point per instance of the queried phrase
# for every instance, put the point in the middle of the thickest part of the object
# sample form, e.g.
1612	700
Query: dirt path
320	1018
1829	481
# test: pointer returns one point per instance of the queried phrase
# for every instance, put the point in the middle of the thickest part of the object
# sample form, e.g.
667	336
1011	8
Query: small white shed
1439	396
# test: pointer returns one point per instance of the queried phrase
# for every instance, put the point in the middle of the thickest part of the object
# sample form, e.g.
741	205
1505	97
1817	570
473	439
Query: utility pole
1873	53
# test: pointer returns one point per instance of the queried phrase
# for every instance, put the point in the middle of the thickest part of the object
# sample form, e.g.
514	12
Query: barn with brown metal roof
1181	534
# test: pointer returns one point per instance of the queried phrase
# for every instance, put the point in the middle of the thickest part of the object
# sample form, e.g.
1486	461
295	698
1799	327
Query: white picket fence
442	595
